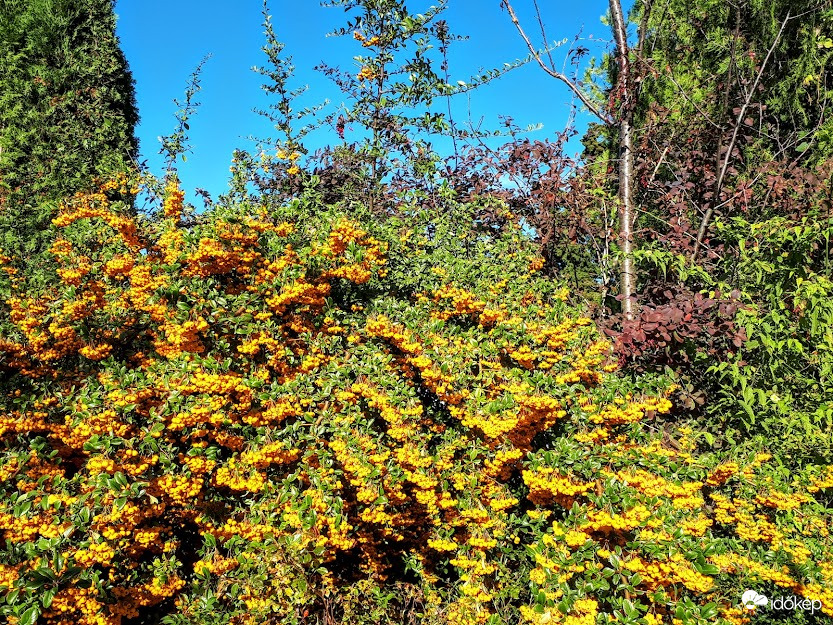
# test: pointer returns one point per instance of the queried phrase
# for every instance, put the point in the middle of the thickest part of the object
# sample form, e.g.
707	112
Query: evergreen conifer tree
67	109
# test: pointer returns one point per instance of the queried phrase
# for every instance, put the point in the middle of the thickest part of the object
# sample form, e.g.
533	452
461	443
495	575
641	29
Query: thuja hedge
308	415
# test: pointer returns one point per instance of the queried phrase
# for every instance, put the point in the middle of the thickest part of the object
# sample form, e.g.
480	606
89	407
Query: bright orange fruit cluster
251	409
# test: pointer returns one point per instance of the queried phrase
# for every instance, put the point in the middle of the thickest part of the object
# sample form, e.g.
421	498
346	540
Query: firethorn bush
307	414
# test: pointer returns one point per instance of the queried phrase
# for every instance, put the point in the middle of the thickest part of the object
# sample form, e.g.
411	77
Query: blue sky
164	40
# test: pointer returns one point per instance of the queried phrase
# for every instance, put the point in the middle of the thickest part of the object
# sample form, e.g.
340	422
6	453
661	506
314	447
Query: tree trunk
624	91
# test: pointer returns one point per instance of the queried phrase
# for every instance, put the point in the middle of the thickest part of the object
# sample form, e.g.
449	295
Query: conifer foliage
67	108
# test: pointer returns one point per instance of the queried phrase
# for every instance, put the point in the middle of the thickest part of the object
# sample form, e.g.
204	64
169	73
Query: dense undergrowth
307	414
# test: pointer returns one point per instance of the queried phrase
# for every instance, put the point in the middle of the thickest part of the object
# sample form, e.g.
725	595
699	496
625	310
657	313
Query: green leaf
30	616
709	611
47	597
706	569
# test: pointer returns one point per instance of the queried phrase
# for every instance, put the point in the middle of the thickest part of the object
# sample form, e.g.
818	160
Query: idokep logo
752	600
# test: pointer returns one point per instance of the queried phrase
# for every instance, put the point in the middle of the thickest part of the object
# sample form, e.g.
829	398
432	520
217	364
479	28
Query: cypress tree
67	110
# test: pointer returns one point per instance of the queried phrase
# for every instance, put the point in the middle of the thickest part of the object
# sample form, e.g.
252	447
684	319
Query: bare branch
659	162
647	5
543	31
551	71
722	173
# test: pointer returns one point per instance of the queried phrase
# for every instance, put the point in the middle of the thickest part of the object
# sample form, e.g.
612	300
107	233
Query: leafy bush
779	383
309	415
